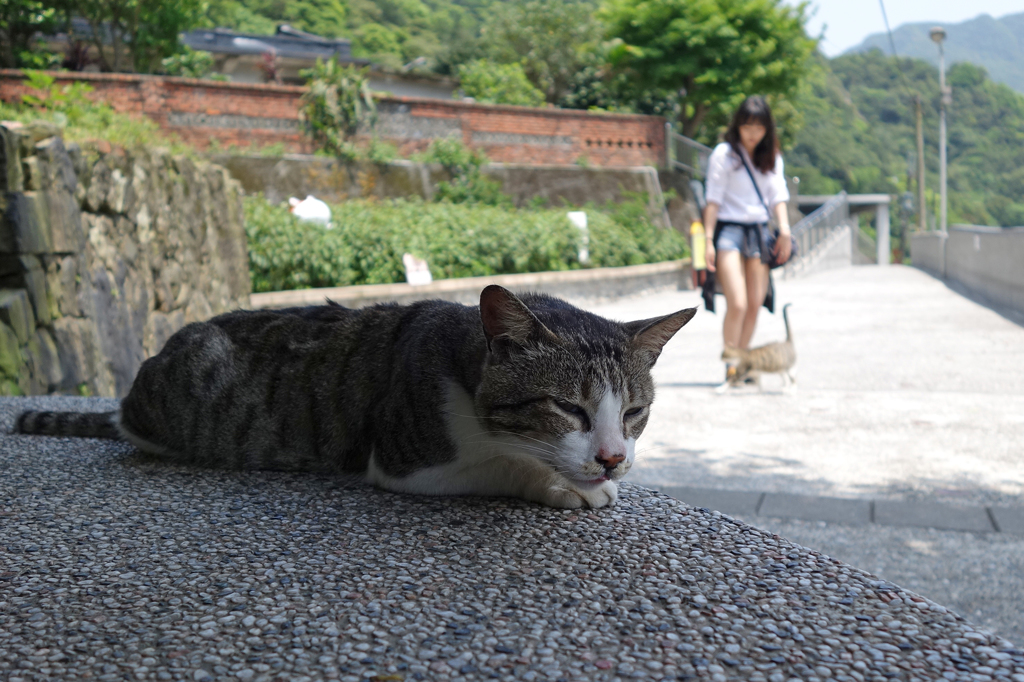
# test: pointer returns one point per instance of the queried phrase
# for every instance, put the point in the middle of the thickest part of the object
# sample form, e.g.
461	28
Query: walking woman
739	211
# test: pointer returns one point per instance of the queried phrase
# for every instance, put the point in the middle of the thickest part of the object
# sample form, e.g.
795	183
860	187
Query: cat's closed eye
634	411
571	408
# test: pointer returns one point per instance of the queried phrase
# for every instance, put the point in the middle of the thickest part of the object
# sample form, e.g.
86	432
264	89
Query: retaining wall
246	114
985	260
104	254
298	175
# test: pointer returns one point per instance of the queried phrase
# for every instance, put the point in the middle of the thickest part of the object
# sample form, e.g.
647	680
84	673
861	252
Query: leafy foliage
468	184
457	240
859	135
551	40
337	102
20	21
322	17
188	63
82	119
70	102
712	52
141	33
492	83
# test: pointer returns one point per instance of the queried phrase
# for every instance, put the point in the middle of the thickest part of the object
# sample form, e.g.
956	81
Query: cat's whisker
523	435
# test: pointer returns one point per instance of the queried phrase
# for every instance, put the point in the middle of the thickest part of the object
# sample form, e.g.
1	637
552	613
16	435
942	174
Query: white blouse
729	186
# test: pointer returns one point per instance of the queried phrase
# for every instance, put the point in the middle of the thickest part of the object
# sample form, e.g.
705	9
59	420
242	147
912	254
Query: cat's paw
603	495
567	496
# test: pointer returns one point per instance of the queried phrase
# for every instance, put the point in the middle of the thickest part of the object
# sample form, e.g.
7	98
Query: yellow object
697	245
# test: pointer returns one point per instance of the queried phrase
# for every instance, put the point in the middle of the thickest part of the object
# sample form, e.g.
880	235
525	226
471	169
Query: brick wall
242	114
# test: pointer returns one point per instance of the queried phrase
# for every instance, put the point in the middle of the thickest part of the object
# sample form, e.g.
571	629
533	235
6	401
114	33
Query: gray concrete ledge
856	512
116	566
581	285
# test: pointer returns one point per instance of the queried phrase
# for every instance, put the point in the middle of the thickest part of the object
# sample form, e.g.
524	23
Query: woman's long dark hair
755	110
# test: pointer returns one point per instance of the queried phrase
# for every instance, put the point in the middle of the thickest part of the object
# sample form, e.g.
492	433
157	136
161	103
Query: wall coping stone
590	283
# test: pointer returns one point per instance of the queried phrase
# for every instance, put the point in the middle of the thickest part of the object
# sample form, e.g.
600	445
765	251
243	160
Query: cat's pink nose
608	460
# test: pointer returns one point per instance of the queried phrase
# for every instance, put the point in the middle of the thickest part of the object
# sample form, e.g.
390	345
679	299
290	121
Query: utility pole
921	222
938	34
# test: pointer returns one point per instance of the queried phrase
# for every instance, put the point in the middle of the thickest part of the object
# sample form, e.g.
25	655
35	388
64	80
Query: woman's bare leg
757	286
734	286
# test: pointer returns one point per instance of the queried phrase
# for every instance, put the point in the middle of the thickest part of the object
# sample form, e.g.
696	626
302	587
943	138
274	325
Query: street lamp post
938	34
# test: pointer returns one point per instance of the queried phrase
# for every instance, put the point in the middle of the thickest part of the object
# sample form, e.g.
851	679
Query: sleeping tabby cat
527	397
778	357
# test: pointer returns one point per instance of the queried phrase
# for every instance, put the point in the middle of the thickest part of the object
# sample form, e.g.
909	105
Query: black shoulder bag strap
757	189
766	255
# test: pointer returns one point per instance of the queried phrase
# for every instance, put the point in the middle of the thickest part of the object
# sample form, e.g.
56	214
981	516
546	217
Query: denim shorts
734	237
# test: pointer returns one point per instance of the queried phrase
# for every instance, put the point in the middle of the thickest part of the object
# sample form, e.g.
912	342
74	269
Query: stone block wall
104	253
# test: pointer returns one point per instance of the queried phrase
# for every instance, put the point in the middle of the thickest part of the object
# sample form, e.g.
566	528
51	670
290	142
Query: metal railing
686	154
812	229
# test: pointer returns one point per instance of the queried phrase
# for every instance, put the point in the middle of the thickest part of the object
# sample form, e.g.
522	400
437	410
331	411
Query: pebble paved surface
114	566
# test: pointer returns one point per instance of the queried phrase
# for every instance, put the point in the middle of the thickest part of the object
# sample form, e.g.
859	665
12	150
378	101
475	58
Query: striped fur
75	424
771	358
528	384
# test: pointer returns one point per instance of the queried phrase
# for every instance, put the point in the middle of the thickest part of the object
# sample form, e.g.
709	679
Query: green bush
468	185
457	240
491	83
188	63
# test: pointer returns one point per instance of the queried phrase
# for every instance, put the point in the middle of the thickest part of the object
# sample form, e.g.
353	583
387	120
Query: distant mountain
996	44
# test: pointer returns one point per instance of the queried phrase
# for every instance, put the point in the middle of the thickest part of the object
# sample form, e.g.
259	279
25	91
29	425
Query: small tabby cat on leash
778	358
526	396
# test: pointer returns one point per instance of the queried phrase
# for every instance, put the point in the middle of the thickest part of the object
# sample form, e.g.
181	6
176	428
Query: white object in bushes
579	219
311	210
417	271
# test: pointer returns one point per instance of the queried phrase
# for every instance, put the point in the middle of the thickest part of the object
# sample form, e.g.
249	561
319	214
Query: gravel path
114	566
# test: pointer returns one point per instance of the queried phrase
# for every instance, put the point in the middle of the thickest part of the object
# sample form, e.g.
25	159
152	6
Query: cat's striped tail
69	424
785	317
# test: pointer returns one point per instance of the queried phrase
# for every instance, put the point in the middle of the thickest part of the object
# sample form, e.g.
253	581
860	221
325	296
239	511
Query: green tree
141	33
20	20
713	53
326	18
492	83
552	39
860	131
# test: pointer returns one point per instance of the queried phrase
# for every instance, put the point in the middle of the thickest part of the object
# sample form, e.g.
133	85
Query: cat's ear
651	335
507	319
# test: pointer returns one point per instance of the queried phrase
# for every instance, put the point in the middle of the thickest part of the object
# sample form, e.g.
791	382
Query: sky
848	22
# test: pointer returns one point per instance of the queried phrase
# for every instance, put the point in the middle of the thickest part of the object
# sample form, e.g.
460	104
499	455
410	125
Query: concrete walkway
906	392
906	430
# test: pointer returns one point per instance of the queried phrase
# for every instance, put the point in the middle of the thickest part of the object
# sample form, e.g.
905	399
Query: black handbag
773	231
